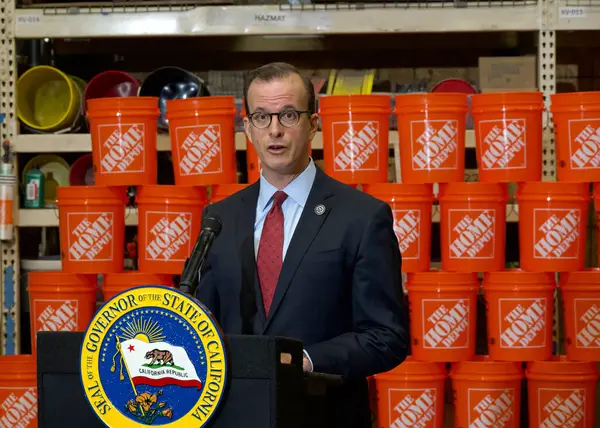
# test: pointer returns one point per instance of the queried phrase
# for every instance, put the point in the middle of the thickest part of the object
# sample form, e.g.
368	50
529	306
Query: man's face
282	150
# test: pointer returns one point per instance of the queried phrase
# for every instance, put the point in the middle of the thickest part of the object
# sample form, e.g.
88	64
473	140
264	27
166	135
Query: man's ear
247	126
314	126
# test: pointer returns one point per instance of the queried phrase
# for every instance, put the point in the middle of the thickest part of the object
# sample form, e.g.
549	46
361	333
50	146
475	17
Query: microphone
211	226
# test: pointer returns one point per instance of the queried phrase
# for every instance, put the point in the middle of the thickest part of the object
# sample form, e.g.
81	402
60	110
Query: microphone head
212	224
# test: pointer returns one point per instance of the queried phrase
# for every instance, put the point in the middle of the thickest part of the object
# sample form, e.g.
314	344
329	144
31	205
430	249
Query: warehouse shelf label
266	19
29	19
572	12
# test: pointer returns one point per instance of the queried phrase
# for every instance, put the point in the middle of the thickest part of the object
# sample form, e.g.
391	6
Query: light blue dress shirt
292	207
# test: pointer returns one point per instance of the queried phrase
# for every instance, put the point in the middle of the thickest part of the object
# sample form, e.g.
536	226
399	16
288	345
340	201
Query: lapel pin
320	209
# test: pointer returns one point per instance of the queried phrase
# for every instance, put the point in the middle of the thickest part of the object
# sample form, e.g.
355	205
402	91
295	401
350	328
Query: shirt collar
297	190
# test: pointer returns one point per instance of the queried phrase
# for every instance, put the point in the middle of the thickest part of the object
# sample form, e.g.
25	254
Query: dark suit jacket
340	287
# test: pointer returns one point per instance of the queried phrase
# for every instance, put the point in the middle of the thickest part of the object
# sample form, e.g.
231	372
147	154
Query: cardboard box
512	73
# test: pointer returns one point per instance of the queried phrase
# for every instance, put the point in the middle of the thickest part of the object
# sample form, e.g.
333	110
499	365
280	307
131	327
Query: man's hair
278	70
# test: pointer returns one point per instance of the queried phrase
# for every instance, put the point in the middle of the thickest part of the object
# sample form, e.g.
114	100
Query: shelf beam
153	21
74	143
48	217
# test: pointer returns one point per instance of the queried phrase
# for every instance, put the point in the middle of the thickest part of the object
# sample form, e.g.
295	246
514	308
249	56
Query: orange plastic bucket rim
473	190
183	105
349	101
575	100
440	278
421	191
122	103
453	99
77	194
13	364
483	365
196	194
559	368
496	99
54	279
411	368
588	278
552	189
518	280
224	190
135	278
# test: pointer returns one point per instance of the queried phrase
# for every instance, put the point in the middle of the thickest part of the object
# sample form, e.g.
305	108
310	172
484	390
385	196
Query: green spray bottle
34	188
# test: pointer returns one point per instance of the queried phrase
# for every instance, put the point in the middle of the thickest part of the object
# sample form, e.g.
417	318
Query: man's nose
275	129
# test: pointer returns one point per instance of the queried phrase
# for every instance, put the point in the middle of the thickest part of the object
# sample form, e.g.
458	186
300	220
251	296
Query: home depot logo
168	235
587	323
523	323
91	236
200	149
504	144
121	148
434	144
356	146
556	233
447	326
19	407
413	408
55	315
585	146
562	408
493	408
407	225
472	234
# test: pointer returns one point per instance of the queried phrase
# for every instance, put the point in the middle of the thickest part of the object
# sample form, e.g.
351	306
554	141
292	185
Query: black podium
262	392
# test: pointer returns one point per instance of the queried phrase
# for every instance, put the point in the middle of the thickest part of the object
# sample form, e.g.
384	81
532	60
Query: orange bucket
552	225
203	140
356	137
411	207
123	131
520	308
411	395
576	117
431	129
442	308
169	224
581	302
60	302
508	136
92	228
487	393
473	226
18	391
597	209
222	191
561	393
115	283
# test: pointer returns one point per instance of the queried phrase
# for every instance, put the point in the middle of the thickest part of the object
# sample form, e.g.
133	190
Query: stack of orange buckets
486	390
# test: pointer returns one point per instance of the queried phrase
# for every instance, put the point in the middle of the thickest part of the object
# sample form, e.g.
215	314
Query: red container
411	206
356	137
442	308
473	226
169	224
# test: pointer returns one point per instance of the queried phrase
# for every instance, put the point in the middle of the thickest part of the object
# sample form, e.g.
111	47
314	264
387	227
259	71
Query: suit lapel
245	235
308	226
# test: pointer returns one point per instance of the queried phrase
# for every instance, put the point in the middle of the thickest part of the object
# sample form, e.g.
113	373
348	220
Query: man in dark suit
302	255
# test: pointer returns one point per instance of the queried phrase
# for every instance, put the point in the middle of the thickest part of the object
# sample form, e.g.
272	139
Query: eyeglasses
287	118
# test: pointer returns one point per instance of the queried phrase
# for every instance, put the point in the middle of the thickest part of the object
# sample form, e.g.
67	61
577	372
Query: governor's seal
153	356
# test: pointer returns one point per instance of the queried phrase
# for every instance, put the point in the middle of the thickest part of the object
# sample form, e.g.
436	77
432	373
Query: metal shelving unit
545	17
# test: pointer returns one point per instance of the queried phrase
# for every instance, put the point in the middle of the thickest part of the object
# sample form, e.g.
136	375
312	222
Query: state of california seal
153	356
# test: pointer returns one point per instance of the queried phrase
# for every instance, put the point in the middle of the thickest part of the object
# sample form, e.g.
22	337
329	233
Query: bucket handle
128	211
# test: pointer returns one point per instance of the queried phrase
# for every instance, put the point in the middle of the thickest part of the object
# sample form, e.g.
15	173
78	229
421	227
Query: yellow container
48	100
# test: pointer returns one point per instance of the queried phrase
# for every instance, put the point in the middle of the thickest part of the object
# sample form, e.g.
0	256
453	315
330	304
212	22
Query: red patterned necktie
270	250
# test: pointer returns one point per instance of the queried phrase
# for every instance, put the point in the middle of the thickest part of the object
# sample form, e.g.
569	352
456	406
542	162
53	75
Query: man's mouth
275	147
